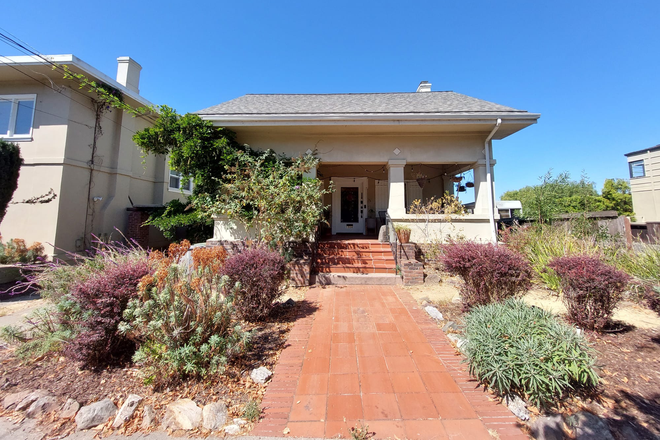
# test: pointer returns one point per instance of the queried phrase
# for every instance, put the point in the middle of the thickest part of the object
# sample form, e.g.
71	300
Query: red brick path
370	353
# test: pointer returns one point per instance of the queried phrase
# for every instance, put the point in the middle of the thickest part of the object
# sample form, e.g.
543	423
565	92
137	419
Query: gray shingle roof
356	103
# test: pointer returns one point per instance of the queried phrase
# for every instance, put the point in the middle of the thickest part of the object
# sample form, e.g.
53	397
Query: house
382	151
644	168
54	121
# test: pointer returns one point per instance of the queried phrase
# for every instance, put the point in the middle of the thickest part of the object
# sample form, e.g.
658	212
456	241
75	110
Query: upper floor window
180	183
637	169
16	116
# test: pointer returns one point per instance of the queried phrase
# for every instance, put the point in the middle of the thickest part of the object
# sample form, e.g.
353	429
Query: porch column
480	188
311	174
396	206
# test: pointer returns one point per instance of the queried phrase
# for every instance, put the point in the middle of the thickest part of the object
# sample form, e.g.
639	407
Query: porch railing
392	238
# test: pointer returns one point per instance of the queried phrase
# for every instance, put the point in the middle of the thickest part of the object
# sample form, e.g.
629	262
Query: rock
547	428
41	406
95	414
127	409
148	417
451	326
434	313
432	278
591	427
382	234
30	399
232	429
214	415
14	398
456	339
628	432
70	409
261	375
182	414
457	300
289	303
240	422
517	406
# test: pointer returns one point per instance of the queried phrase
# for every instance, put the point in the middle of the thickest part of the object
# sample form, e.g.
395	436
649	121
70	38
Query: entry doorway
349	205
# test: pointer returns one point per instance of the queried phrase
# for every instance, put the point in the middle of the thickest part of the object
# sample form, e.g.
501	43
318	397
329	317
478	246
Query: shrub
182	321
489	273
10	165
591	289
259	274
15	251
103	298
515	348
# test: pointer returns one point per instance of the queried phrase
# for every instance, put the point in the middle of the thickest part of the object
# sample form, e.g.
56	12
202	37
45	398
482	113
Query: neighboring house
53	122
644	167
374	146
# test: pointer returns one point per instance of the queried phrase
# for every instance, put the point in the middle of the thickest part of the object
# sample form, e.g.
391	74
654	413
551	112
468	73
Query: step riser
326	279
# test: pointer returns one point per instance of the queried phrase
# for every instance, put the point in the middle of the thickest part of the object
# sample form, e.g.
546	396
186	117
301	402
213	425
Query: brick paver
370	353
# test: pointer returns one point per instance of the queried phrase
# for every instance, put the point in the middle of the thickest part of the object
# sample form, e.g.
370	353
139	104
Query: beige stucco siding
646	190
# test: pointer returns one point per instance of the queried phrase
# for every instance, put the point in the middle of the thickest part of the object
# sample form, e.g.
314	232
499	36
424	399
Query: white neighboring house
53	122
381	150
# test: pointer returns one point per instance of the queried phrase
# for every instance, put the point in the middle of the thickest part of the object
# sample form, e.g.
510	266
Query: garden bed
63	379
628	360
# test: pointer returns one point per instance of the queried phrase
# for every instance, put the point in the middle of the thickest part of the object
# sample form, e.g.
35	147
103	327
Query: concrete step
330	260
354	268
354	245
355	253
347	279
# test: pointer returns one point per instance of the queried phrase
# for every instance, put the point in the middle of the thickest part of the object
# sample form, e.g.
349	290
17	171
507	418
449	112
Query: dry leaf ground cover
234	387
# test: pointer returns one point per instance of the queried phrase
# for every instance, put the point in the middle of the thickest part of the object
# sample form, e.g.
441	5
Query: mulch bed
64	379
628	397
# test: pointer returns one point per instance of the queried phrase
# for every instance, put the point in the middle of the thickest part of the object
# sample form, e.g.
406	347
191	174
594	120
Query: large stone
450	327
434	313
261	375
382	234
232	429
517	406
182	414
95	414
70	409
547	428
148	417
214	415
127	409
591	427
432	278
14	398
30	399
41	406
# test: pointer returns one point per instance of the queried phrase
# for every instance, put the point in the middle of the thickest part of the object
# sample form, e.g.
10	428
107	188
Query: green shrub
10	165
515	348
489	273
15	251
184	319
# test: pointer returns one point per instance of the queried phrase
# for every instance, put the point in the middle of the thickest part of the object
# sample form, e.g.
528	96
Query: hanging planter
469	184
457	179
461	189
421	179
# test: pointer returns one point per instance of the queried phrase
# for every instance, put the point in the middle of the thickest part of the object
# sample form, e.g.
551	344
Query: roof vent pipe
424	86
128	73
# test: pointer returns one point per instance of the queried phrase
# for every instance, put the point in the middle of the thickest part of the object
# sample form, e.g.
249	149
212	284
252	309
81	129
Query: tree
10	165
559	194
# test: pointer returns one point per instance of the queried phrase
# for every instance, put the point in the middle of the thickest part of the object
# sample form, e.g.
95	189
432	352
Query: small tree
272	199
10	164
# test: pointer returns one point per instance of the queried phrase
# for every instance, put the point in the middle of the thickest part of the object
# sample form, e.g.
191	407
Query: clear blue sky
592	69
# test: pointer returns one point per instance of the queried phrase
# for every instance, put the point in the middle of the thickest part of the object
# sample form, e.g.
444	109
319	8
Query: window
179	183
16	116
636	169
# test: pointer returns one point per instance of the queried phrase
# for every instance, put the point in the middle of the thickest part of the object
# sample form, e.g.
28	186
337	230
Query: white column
480	189
396	207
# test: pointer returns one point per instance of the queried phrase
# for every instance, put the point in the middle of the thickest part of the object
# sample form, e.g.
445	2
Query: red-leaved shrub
260	273
489	273
591	289
103	298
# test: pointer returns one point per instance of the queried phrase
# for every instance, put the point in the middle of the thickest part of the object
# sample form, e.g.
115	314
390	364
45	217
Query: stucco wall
646	190
57	157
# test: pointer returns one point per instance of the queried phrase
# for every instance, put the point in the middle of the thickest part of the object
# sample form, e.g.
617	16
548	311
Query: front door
349	205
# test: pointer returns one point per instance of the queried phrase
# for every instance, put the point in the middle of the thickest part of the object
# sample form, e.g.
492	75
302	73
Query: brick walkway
370	353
